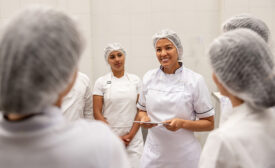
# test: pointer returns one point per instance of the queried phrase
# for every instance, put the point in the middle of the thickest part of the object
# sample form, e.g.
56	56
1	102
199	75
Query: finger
167	121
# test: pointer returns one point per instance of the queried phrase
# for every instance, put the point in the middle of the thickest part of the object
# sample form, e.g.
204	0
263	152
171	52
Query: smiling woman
167	55
174	96
114	102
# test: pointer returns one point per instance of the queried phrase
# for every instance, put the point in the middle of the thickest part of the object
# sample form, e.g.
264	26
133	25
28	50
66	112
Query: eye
168	48
158	50
112	56
119	54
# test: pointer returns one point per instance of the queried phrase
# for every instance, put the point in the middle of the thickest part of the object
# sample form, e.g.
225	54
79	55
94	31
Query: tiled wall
80	9
263	9
133	22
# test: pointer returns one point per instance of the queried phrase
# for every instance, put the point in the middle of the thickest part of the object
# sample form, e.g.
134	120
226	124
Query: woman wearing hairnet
39	54
236	22
176	96
243	71
114	96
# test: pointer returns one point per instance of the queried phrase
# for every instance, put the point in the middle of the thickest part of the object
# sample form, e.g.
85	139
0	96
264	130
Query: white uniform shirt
47	140
78	102
119	108
120	96
166	96
226	109
245	140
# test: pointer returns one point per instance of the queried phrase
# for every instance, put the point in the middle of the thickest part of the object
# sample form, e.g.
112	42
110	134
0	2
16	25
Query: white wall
78	9
133	22
198	22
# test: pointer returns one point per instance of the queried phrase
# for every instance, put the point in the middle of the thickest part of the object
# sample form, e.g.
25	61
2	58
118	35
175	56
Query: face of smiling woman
116	60
167	55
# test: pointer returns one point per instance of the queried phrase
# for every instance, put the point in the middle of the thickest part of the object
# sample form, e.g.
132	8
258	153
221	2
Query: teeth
165	59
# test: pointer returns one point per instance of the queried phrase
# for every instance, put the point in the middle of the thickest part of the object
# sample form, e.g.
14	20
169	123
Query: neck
15	117
171	70
235	101
118	74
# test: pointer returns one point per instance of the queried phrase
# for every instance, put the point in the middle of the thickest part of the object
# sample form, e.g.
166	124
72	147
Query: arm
203	124
98	103
129	136
142	116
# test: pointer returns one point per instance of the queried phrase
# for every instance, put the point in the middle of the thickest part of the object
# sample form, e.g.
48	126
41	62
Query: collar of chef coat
47	118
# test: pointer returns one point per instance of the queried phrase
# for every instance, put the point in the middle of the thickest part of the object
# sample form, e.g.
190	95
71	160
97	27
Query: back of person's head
39	51
249	22
242	62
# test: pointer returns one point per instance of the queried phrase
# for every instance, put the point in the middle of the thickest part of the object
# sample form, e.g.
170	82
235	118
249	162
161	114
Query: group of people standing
39	79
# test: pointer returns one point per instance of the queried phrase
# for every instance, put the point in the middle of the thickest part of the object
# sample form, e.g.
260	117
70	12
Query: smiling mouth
164	59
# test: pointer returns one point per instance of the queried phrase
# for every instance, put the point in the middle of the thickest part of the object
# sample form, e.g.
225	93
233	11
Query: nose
163	52
117	58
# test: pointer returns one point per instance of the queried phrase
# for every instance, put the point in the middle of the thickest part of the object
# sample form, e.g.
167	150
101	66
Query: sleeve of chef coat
202	102
141	104
88	98
217	152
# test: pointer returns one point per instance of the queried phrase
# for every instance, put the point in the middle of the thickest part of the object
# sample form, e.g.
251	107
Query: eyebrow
166	45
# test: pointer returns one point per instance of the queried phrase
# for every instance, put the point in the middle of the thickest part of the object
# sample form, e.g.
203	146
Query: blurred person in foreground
236	22
39	55
244	72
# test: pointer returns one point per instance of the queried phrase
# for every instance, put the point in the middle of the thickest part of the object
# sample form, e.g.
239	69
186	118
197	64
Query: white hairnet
249	22
243	63
39	51
113	47
171	36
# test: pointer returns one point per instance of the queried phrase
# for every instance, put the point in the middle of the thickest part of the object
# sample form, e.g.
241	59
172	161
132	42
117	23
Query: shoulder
150	75
103	78
95	139
96	131
83	78
191	75
134	78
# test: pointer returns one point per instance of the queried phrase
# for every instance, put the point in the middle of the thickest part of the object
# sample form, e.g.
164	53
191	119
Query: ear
220	86
234	99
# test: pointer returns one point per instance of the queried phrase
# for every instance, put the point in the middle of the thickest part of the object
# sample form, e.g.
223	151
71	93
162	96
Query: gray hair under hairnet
171	36
249	22
39	51
113	47
242	61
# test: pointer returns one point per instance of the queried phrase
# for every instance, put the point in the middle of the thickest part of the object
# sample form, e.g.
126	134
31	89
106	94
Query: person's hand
174	124
127	138
146	118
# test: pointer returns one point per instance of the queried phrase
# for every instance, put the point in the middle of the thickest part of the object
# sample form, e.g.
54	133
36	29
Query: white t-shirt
246	139
78	102
47	140
120	96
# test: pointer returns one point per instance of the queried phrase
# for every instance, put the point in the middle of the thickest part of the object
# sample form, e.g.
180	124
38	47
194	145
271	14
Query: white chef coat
245	140
226	109
167	96
47	140
78	102
119	108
